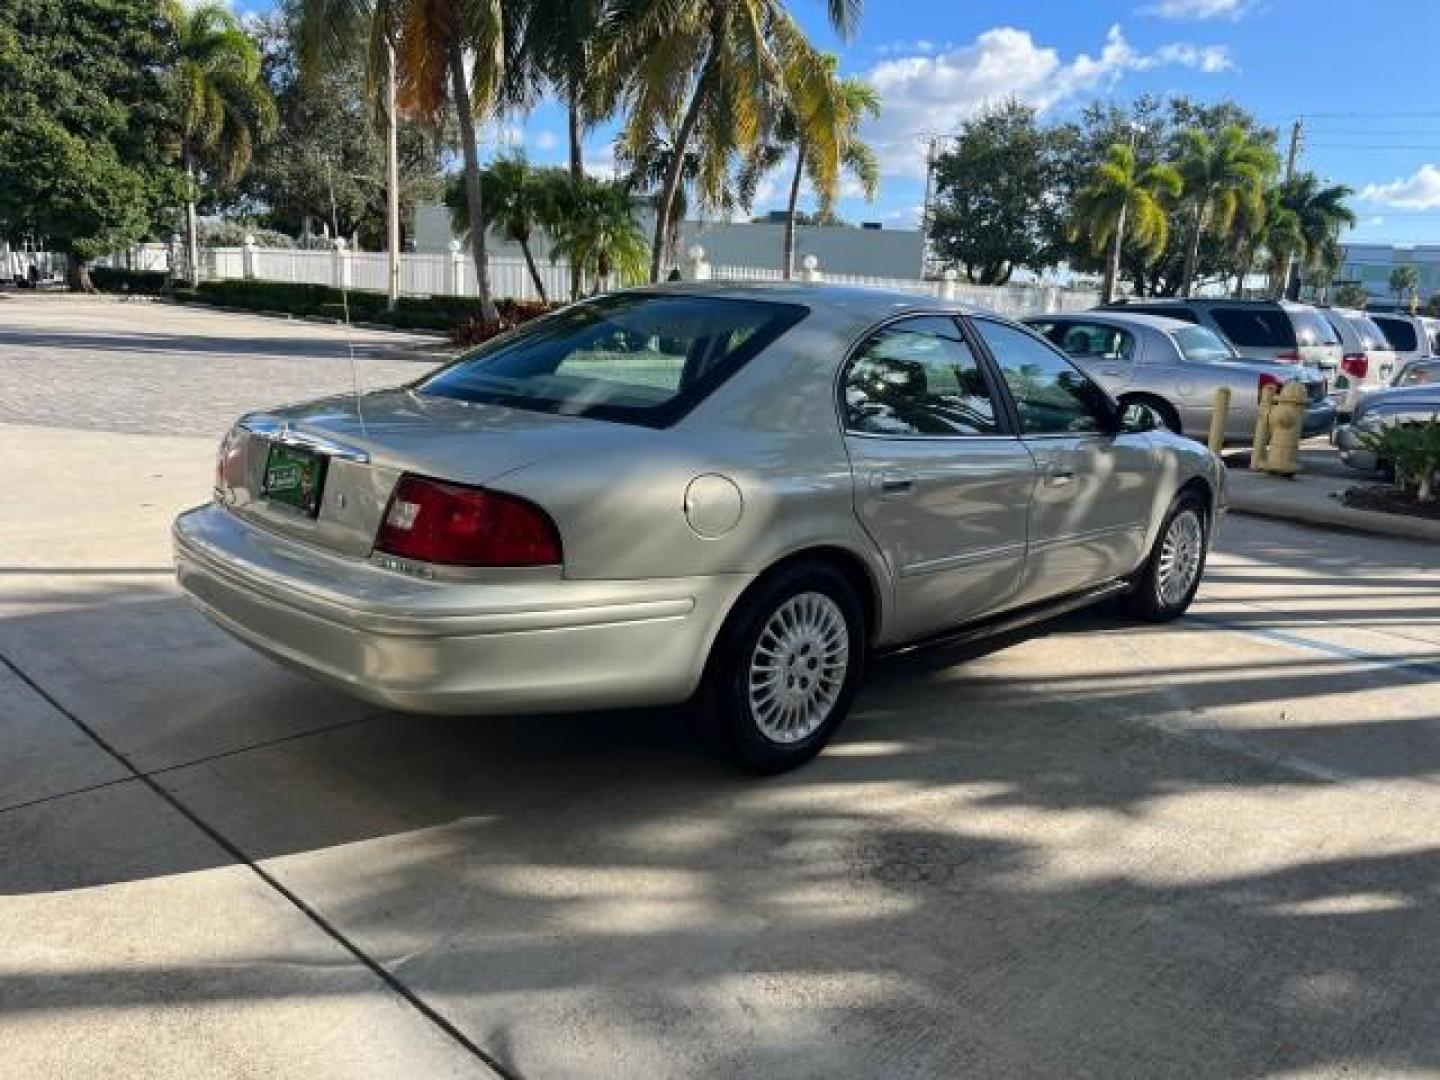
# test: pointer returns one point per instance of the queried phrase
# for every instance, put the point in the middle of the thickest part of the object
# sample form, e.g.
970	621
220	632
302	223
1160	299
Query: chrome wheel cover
1180	555
798	667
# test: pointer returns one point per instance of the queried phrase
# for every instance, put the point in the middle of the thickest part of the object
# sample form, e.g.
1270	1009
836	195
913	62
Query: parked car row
1168	356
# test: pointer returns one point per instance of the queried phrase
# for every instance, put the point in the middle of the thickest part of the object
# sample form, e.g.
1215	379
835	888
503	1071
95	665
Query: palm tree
593	225
820	125
224	105
517	198
705	70
1319	213
1223	174
1404	279
1119	193
645	168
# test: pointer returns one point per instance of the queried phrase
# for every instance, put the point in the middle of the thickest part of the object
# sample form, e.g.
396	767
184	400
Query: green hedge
442	313
134	282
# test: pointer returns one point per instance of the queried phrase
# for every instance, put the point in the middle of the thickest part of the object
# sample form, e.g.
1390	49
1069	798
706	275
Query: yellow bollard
1217	420
1287	420
1262	428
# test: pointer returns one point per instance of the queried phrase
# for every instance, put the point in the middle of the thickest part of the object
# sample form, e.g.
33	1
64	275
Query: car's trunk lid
360	451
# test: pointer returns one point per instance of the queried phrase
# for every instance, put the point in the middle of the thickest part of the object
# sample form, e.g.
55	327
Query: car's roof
1131	318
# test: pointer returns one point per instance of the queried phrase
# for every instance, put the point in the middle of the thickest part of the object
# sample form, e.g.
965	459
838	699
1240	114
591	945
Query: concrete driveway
1207	850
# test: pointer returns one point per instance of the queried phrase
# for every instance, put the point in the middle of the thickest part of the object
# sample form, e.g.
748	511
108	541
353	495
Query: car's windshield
1202	344
643	358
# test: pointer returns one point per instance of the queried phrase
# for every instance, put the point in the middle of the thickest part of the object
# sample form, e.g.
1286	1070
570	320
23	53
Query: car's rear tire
1165	586
1164	413
785	667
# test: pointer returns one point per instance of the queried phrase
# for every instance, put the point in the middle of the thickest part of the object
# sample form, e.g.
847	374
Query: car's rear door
941	483
1094	488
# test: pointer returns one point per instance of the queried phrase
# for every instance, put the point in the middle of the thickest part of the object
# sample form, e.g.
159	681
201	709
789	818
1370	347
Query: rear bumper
451	647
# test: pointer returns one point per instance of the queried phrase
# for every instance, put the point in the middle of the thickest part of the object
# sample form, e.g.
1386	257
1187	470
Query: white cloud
1198	9
1418	191
546	140
931	95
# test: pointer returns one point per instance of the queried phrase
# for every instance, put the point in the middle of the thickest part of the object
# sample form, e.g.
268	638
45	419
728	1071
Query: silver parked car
1418	373
1378	410
1369	361
728	493
1173	368
1281	331
1411	337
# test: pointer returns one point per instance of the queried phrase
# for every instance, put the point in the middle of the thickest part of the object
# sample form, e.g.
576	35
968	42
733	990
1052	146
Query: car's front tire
786	667
1166	585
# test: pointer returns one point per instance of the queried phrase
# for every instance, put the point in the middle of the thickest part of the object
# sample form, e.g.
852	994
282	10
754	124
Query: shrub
440	313
1413	450
135	282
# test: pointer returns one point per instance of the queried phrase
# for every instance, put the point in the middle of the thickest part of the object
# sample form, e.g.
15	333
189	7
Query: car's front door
1095	488
941	483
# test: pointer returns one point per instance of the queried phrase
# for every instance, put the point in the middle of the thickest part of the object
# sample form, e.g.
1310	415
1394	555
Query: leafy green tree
820	126
1224	176
1404	280
224	106
86	166
593	224
994	209
704	72
1118	195
518	200
327	162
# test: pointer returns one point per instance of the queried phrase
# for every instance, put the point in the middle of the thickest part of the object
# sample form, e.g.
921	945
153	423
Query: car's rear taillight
450	524
1287	358
1269	380
1356	365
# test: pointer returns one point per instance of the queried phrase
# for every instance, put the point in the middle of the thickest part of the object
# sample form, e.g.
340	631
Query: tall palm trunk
1112	264
787	254
192	231
1192	251
673	171
473	205
577	161
534	273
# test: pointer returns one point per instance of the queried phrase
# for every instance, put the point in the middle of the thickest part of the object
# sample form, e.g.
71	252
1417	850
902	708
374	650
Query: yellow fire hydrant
1286	422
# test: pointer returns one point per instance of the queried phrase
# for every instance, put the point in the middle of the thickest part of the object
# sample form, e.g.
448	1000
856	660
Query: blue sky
1357	73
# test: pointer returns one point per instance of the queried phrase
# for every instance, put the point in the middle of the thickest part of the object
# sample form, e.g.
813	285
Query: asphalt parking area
1095	849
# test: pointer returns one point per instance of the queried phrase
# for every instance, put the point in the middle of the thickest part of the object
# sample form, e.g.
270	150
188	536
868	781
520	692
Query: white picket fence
453	274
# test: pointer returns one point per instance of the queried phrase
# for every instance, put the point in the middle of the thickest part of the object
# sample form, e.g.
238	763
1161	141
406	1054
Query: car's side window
1092	341
1051	395
918	377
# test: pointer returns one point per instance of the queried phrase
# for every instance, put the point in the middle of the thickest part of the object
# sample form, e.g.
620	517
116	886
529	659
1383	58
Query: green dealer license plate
294	477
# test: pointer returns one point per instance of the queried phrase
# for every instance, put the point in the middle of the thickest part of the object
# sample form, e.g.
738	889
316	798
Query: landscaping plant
1413	451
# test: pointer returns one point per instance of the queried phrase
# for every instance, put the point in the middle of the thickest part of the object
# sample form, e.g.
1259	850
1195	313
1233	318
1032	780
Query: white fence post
455	270
341	277
810	268
947	285
696	268
247	258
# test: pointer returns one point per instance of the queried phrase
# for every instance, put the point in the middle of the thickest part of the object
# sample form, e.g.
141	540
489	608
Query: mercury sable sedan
725	494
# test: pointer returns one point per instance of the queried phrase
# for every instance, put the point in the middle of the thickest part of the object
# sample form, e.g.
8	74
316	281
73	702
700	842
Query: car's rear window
1312	328
642	358
1399	332
1256	328
1202	344
1371	336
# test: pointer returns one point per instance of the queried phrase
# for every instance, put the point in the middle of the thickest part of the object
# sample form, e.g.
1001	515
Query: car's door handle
890	483
1059	477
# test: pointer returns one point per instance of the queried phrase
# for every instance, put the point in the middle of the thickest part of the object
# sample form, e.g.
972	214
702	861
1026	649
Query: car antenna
345	304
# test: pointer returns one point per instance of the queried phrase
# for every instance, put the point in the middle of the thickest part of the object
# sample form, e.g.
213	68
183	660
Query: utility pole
1297	134
392	178
925	208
